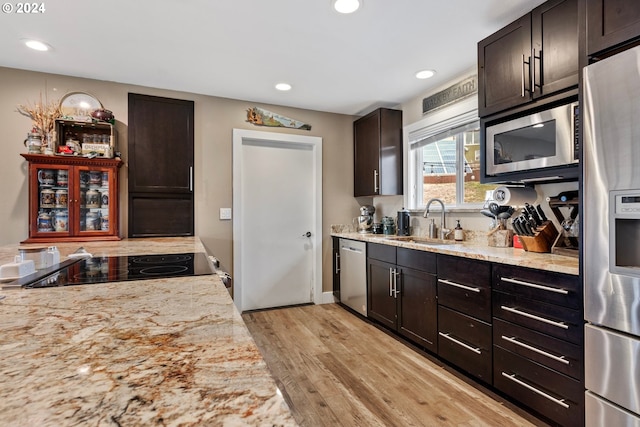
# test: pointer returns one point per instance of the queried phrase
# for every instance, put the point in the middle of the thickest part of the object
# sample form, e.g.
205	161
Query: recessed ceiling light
346	6
283	86
37	45
425	74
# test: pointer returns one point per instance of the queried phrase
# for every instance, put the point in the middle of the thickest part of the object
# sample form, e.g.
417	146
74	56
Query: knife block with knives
535	231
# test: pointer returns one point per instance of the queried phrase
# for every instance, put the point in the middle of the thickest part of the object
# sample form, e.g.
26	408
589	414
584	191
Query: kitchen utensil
363	223
543	217
404	220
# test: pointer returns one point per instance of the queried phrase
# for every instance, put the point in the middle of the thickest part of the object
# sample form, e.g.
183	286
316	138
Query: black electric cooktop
124	268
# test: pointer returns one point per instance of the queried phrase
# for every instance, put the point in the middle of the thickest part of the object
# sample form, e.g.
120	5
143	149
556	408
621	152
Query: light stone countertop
150	352
474	250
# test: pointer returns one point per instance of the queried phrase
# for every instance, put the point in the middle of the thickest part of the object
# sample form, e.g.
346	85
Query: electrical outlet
225	213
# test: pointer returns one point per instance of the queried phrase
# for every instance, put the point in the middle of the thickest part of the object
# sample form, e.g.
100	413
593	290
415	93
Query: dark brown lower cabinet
550	393
402	292
538	341
466	342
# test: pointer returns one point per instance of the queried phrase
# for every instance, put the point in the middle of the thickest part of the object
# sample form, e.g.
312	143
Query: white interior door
276	220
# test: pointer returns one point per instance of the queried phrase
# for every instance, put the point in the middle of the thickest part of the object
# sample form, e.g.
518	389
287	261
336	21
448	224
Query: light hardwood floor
335	369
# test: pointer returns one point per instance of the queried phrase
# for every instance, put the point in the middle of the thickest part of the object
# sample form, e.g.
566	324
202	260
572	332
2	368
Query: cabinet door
377	162
381	301
161	179
554	42
503	68
418	318
611	23
94	197
366	139
50	201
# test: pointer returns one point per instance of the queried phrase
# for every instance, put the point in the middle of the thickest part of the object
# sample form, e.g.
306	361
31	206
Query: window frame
435	123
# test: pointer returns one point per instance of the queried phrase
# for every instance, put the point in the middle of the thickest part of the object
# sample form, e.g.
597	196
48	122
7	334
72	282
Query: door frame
273	139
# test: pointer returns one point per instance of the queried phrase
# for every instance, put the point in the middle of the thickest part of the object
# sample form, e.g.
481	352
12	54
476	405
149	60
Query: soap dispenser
433	230
458	233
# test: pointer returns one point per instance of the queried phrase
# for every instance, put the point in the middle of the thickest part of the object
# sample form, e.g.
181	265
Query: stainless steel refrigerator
611	257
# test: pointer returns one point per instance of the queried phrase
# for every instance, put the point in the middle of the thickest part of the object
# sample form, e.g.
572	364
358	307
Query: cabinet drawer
465	271
418	260
381	252
539	285
465	342
553	395
469	299
551	352
554	320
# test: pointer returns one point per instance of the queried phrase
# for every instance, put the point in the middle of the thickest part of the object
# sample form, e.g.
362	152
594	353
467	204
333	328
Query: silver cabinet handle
395	283
532	66
535	285
522	79
513	340
390	282
337	263
513	378
534	317
375	180
458	285
460	343
190	178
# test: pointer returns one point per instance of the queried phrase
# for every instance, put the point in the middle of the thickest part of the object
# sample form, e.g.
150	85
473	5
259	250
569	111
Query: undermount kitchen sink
422	240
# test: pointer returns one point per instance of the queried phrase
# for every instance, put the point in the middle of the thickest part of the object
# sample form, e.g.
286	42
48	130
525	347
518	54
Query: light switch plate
225	213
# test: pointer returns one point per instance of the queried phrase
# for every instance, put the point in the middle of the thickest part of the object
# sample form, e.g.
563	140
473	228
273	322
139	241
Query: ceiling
337	63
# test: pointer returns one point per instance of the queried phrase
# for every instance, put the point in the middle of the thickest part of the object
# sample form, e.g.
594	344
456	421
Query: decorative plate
78	106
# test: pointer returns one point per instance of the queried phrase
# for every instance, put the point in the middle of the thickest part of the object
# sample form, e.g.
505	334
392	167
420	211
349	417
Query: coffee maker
365	220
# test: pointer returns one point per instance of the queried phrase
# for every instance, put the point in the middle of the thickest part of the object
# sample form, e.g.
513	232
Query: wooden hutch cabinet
72	198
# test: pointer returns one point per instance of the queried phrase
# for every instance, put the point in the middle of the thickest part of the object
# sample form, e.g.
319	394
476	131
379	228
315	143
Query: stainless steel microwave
541	140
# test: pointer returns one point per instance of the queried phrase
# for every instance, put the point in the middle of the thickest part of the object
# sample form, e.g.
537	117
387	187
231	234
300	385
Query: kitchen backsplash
475	225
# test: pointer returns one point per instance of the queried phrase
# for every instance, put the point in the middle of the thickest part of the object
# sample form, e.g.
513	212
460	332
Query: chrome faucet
444	232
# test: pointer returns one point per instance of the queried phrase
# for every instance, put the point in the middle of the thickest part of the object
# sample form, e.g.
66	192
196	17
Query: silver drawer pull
513	378
458	285
460	343
535	285
534	317
513	340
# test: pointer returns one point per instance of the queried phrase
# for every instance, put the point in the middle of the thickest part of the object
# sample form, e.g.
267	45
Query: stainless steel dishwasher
353	275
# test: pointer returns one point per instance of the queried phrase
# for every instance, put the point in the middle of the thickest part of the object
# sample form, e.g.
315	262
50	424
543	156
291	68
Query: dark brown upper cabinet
533	57
377	145
161	158
611	23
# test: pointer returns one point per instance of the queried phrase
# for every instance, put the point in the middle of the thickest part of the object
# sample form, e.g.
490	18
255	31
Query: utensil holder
542	241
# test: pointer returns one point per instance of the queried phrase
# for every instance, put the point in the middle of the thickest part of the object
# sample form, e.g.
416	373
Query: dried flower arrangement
43	115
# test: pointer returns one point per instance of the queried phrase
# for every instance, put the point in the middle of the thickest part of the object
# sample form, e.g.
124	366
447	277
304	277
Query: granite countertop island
476	250
149	352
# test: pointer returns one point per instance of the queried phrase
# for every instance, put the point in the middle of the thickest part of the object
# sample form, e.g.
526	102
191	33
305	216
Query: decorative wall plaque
261	117
458	91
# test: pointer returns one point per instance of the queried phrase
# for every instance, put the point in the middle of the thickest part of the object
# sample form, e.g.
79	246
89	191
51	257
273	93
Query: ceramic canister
46	176
104	198
61	198
44	222
104	224
61	222
92	199
95	178
62	177
47	198
92	220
